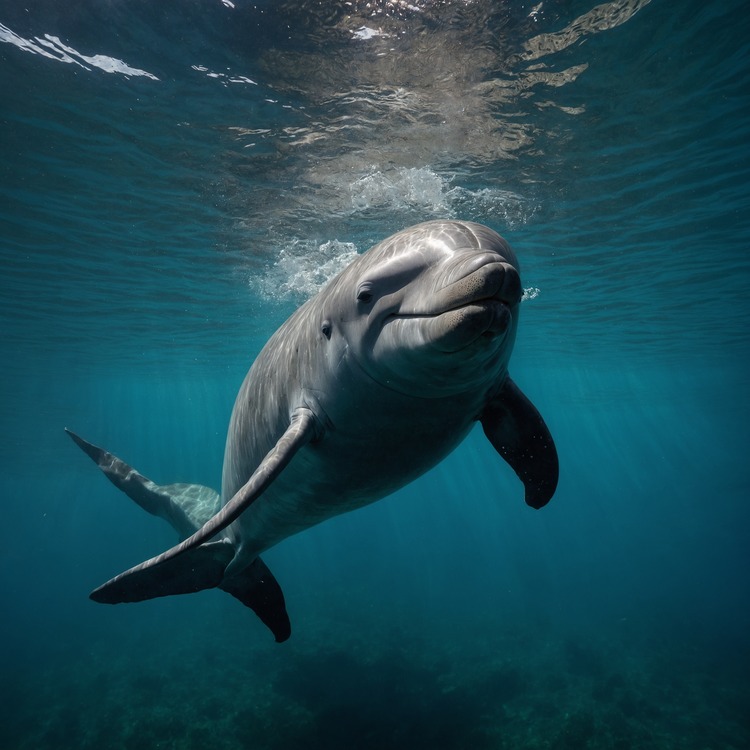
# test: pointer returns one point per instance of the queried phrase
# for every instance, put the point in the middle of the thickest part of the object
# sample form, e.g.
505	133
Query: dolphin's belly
340	474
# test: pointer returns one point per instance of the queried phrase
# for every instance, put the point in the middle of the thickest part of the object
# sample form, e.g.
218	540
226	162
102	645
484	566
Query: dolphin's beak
478	304
459	328
494	280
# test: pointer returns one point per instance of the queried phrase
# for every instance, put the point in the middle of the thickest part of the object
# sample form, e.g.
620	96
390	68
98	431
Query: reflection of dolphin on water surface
363	389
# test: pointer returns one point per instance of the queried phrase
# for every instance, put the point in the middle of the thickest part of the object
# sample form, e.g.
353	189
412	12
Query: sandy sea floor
378	685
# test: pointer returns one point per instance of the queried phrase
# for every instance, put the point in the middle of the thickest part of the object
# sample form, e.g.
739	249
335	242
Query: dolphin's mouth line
459	327
470	303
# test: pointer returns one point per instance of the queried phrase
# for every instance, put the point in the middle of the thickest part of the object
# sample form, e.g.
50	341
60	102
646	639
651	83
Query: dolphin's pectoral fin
186	507
256	588
518	433
199	568
302	430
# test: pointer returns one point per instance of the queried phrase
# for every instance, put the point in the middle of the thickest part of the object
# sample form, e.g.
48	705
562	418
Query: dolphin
365	387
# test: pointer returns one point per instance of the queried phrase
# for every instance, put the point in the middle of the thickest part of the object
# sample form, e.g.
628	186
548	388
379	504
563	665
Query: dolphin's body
364	388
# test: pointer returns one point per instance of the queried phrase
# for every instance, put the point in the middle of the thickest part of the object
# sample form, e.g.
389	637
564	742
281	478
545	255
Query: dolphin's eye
364	293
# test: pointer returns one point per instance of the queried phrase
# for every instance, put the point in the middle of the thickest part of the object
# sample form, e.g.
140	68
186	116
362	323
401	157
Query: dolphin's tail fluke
203	568
256	588
186	507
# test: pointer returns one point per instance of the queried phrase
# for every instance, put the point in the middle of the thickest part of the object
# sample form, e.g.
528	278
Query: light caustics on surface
285	159
399	106
54	48
601	18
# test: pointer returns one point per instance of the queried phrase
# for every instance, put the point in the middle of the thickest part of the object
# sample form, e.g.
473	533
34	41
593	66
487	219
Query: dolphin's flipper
256	588
167	573
518	433
186	507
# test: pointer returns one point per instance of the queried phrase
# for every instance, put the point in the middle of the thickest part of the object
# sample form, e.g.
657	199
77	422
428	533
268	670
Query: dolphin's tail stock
186	507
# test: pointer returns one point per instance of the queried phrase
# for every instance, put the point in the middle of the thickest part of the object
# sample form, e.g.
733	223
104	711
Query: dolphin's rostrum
364	388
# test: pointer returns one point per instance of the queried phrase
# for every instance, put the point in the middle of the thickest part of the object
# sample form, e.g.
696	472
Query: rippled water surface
177	177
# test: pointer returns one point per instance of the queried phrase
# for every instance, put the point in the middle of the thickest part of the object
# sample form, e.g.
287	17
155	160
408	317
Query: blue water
177	177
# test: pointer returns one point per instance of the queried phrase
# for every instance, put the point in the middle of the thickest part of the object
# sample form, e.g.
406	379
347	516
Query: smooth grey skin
364	388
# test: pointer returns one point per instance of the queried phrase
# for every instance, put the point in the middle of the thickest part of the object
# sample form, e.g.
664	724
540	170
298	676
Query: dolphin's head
431	311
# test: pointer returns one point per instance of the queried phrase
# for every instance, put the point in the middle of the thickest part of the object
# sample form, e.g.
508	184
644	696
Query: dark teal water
177	177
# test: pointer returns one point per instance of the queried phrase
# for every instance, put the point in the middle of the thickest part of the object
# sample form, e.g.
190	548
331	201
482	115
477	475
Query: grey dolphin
364	388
